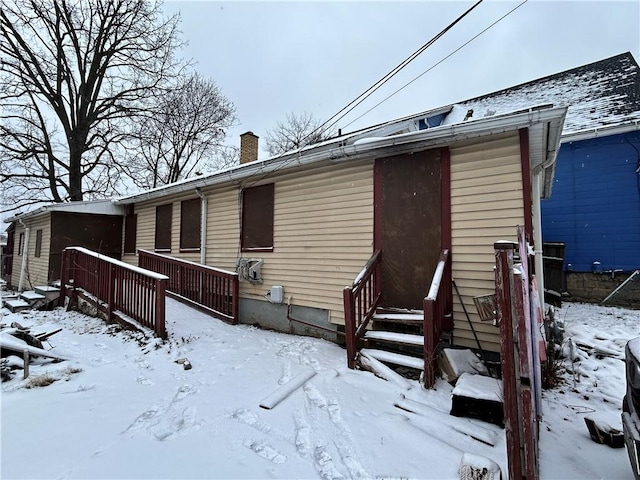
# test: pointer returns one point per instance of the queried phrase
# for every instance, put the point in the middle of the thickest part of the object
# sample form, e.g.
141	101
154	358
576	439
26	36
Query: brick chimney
248	147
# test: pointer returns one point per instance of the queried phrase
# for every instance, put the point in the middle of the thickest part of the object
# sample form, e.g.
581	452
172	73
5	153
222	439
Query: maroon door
407	225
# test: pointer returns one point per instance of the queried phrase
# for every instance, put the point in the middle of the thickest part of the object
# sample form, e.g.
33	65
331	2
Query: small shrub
40	381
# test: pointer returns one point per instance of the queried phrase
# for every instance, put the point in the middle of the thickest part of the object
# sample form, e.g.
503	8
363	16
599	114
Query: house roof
600	95
104	207
544	124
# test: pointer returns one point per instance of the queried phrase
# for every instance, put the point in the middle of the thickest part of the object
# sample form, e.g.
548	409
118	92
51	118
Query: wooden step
394	337
31	296
48	291
404	318
17	305
395	358
379	369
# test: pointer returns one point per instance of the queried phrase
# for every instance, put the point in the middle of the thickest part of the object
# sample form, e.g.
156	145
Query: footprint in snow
303	433
183	392
176	423
324	463
142	380
264	450
314	395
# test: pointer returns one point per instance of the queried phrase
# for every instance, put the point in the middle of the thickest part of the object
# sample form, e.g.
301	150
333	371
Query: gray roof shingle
599	94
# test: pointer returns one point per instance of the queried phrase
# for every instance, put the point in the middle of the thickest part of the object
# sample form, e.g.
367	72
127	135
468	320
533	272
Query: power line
438	63
360	98
369	91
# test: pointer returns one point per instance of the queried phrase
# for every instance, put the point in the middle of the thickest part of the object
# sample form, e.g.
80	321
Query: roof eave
367	148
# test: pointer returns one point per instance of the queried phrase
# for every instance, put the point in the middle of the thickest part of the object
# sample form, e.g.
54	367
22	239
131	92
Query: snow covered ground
123	408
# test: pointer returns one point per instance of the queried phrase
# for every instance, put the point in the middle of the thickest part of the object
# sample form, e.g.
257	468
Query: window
20	243
190	225
257	218
163	228
38	242
130	232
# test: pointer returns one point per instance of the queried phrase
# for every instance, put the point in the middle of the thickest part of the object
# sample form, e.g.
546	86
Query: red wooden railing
437	305
115	286
360	302
519	356
210	288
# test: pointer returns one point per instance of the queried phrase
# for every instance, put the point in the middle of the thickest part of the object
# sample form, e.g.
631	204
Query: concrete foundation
274	317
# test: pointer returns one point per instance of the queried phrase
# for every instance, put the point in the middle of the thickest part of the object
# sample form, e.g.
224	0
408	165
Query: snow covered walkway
123	408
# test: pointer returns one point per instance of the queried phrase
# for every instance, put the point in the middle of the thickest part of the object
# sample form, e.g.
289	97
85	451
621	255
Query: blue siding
595	203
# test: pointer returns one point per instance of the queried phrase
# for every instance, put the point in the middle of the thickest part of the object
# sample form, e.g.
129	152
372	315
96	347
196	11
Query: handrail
117	287
214	289
360	302
436	305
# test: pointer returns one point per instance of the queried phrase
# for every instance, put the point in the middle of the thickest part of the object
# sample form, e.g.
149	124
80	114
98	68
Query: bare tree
74	77
182	136
295	132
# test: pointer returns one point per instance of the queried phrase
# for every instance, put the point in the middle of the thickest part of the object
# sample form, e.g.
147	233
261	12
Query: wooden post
504	288
430	341
64	277
236	300
349	326
25	356
111	278
160	327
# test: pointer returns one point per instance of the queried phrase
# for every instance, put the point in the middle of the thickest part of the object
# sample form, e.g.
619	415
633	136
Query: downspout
25	255
203	226
537	233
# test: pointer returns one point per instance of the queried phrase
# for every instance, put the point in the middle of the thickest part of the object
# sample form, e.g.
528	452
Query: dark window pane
190	224
257	218
130	232
163	227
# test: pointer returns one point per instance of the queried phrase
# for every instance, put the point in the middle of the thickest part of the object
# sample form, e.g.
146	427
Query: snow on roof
104	207
600	94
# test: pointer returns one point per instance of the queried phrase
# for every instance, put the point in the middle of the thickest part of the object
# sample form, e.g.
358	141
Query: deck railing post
111	291
64	277
160	327
349	326
430	334
504	290
236	300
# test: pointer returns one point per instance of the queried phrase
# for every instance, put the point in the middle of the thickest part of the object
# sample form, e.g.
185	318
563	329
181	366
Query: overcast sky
271	58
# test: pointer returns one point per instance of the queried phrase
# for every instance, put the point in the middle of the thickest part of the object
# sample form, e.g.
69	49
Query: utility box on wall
249	270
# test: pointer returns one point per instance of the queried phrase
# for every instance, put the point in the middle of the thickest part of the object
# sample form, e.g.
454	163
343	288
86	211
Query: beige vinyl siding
486	206
323	233
37	272
146	225
17	259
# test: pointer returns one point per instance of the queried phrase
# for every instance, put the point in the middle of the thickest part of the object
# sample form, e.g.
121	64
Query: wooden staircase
41	297
406	339
397	339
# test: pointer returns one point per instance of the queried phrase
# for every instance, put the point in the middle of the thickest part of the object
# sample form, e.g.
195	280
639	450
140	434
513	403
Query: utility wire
438	63
360	98
369	91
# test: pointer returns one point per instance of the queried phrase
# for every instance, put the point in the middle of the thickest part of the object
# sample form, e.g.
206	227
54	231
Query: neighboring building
36	239
594	208
309	220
